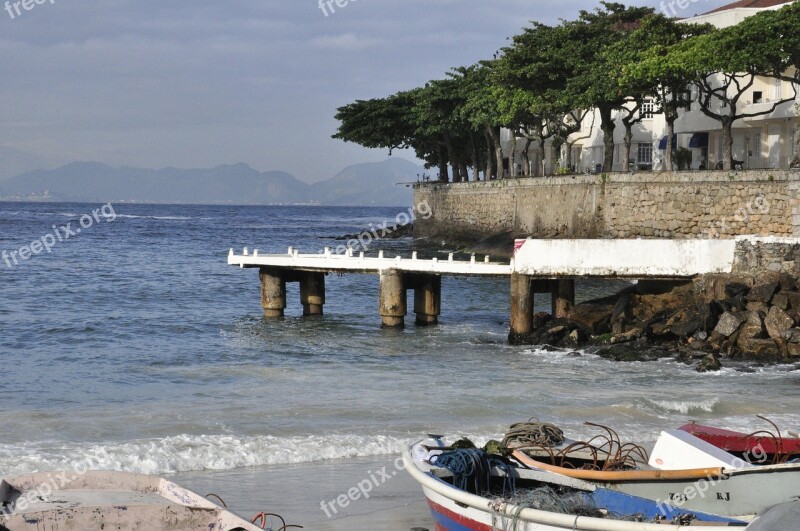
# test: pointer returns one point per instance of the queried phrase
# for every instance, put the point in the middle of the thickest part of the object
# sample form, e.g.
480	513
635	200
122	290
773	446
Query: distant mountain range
360	185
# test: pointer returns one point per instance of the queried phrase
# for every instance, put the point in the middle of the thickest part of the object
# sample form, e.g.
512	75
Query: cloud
344	42
201	82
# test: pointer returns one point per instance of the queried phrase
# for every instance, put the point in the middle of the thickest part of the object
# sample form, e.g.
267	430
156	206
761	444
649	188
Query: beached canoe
108	500
756	447
458	509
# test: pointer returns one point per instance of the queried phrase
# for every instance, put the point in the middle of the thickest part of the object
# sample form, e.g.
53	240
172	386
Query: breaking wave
185	453
685	407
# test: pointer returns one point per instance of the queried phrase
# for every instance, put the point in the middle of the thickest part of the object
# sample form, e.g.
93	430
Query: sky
198	83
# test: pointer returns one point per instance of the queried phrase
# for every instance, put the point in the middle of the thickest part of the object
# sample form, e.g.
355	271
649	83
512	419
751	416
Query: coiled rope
531	433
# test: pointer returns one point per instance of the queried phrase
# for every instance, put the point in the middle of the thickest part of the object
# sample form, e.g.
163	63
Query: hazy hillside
13	162
369	184
363	184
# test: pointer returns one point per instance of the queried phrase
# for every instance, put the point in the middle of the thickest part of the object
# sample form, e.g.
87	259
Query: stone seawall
694	204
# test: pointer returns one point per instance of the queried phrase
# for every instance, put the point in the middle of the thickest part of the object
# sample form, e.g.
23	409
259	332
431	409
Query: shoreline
296	492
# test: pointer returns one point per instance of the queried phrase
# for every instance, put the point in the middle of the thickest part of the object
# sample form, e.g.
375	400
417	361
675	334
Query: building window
648	109
644	154
688	98
777	91
758	96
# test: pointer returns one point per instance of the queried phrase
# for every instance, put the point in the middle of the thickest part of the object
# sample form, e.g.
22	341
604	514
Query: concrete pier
521	307
427	299
393	299
312	293
539	266
563	292
273	292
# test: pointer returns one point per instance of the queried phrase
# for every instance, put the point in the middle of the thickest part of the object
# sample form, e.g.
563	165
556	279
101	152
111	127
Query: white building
763	142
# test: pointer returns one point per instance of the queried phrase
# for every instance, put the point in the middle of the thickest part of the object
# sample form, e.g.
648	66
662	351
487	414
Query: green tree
644	66
567	67
726	63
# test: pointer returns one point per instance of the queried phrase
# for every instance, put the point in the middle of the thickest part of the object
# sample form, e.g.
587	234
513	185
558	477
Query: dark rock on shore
700	322
394	232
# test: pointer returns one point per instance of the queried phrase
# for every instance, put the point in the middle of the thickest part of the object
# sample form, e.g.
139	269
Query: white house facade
763	142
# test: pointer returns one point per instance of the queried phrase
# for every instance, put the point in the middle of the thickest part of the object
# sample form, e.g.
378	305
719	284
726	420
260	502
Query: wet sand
296	492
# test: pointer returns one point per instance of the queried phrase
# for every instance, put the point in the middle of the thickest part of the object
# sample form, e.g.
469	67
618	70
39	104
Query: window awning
699	140
662	145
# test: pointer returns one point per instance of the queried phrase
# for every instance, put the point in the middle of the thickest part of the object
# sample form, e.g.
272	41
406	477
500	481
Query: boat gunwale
578	523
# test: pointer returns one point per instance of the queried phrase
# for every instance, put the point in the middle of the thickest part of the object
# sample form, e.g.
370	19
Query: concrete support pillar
312	293
428	300
393	302
563	297
273	292
521	308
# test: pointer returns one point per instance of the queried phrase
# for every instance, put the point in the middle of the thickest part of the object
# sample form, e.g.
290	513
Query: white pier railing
351	262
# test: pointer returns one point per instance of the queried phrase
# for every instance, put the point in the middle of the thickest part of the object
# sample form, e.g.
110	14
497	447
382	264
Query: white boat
456	509
108	500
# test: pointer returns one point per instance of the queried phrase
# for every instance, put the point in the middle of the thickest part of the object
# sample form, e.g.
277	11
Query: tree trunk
568	155
541	158
487	175
727	144
607	125
494	132
464	170
626	152
526	158
455	163
513	156
476	161
668	149
444	174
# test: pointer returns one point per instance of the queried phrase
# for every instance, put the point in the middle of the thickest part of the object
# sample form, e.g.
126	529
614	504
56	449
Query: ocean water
133	346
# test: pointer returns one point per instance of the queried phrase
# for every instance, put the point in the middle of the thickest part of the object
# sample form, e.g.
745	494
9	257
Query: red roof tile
752	4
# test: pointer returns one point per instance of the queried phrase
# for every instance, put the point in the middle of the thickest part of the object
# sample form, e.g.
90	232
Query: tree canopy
549	78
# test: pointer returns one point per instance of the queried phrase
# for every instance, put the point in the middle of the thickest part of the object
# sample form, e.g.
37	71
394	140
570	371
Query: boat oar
622	475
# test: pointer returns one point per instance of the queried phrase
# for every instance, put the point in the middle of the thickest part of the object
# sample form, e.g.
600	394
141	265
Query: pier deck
538	266
360	263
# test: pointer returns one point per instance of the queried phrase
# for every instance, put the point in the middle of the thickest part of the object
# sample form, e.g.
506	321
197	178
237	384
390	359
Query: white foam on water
184	453
685	407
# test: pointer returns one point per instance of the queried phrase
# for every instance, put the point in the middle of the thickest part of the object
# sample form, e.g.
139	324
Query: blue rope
472	470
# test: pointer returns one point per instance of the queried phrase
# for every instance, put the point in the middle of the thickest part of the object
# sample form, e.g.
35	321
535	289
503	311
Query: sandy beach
296	492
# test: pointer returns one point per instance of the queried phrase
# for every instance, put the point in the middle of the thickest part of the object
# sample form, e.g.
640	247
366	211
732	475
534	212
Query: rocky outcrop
705	321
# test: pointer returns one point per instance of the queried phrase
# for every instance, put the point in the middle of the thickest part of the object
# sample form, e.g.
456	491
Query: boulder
541	319
763	349
793	350
794	300
792	335
763	292
735	289
687	322
578	337
787	282
781	300
627	337
753	327
757	307
710	363
778	322
594	317
622	310
729	323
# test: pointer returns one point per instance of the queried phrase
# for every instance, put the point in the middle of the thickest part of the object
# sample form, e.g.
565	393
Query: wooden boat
752	447
457	509
738	493
108	500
